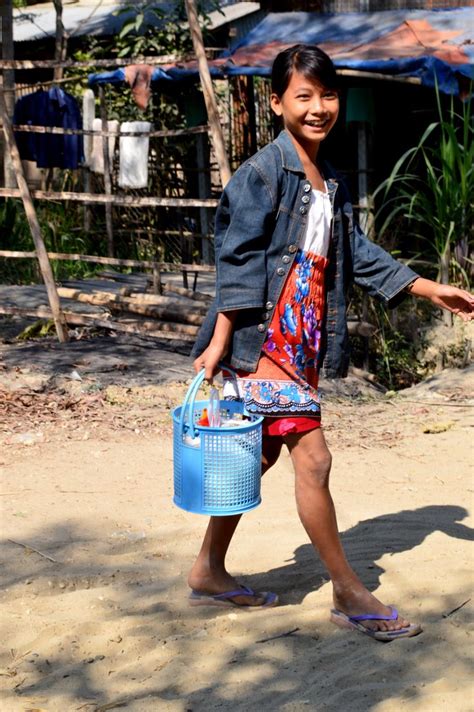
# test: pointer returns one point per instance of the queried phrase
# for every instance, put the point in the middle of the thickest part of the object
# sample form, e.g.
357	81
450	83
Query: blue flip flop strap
370	617
244	591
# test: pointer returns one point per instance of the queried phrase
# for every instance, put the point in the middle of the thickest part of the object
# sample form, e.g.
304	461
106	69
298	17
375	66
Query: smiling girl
287	251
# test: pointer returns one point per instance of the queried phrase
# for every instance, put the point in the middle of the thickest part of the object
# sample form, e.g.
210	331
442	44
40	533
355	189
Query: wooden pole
204	190
208	91
60	48
170	331
130	200
8	82
107	177
35	228
112	62
147	264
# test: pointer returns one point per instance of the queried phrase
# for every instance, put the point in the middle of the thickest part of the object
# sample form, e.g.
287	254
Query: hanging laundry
54	107
96	158
139	77
88	115
134	155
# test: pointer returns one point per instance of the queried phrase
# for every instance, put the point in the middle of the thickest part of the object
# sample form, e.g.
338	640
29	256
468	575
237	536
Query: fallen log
196	306
88	320
102	298
361	328
189	293
162	326
173	314
370	377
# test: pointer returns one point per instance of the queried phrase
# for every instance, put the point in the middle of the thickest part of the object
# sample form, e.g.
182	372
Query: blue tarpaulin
433	45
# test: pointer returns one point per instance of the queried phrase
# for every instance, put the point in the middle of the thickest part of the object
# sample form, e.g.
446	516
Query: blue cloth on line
54	107
118	75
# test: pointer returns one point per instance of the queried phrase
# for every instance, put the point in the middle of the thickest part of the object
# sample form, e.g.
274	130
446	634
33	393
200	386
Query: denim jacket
260	221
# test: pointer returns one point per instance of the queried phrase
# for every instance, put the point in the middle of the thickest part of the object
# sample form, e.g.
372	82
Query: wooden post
30	211
107	172
250	97
204	191
60	49
157	288
86	175
8	83
208	91
366	210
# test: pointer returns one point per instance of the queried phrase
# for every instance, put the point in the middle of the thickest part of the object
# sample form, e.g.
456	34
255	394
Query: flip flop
197	598
353	623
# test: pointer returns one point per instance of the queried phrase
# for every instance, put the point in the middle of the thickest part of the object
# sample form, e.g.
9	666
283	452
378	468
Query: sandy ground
97	618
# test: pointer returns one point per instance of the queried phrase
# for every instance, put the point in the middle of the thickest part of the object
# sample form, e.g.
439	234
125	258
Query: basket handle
190	397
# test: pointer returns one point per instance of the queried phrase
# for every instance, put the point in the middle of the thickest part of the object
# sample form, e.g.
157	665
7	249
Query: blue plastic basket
217	470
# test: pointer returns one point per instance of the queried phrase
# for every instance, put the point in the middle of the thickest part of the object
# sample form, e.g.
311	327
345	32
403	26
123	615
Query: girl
287	249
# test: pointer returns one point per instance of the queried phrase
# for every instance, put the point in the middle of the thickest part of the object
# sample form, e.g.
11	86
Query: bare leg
208	574
312	463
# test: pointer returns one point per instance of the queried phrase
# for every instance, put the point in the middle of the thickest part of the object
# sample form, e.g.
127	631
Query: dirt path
97	618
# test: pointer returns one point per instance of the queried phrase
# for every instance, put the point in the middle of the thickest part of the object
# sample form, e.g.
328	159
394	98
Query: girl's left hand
455	300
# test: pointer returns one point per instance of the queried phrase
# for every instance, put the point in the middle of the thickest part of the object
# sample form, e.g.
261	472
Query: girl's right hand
209	360
218	346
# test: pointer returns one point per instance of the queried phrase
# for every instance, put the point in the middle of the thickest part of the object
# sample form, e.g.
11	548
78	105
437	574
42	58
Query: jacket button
303	210
269	305
285	259
280	271
305	199
266	316
307	187
292	248
261	327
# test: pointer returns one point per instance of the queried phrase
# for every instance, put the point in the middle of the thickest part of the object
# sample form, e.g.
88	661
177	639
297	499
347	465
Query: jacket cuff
396	296
241	298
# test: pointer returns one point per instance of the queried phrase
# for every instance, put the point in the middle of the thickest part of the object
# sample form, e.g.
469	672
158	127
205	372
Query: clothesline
19	87
28	128
113	261
125	200
113	62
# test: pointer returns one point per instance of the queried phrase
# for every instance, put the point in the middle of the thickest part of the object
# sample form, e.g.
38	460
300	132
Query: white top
318	229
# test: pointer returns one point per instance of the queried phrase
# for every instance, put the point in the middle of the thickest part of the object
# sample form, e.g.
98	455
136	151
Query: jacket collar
291	161
289	156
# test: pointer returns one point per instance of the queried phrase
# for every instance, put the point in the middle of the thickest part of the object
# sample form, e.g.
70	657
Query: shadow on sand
171	657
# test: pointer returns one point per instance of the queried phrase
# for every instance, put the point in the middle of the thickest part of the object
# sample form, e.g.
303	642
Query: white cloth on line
133	171
88	115
96	163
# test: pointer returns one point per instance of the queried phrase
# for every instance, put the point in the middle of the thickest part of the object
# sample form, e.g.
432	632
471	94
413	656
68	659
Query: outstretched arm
455	300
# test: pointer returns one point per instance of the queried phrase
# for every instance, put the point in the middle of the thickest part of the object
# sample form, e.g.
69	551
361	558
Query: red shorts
283	426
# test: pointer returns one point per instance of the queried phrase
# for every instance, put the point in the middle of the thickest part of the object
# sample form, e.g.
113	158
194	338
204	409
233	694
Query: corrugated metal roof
95	17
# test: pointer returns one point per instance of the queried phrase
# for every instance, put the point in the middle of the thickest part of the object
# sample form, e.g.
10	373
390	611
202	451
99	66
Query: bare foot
212	581
355	600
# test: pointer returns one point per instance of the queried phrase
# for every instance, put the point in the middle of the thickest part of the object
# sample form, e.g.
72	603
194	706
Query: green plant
61	231
150	29
392	351
431	187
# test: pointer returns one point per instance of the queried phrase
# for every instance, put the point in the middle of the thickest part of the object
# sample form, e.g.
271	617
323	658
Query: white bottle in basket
214	409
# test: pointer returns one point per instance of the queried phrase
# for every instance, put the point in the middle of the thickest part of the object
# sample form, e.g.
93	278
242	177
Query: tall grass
432	188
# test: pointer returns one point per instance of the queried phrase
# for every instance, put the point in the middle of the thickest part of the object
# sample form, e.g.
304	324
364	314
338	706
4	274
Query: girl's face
309	110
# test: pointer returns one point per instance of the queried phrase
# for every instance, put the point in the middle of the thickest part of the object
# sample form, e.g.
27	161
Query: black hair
306	59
